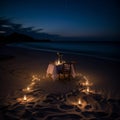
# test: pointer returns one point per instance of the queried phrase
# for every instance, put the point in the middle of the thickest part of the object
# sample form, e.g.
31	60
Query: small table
65	69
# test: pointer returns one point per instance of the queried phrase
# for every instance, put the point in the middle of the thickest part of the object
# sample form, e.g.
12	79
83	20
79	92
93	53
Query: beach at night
59	60
18	68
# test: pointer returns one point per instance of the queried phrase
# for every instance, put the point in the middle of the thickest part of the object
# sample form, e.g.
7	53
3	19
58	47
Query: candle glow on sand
87	90
87	86
28	88
25	98
33	83
35	78
87	83
79	102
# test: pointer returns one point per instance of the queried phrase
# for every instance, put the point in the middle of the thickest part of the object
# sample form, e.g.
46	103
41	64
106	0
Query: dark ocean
103	50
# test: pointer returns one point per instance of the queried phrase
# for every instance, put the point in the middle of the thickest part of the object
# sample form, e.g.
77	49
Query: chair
64	70
67	70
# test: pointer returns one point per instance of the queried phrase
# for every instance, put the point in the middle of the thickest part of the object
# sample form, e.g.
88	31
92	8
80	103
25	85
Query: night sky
68	18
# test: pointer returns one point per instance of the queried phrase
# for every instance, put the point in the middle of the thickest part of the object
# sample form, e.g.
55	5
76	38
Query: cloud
7	26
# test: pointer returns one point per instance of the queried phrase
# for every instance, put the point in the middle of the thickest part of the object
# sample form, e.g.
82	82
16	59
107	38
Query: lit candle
58	62
79	102
88	90
28	88
34	77
25	98
87	83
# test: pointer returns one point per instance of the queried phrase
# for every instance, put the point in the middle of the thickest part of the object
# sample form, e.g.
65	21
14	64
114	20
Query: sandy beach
18	65
59	60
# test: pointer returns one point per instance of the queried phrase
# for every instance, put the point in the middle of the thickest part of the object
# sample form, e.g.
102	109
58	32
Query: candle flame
28	88
88	89
58	62
87	82
25	98
79	102
35	78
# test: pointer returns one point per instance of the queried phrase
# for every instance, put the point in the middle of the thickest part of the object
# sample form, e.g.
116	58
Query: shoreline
84	53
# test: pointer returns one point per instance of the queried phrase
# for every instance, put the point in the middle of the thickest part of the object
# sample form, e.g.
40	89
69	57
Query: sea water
104	50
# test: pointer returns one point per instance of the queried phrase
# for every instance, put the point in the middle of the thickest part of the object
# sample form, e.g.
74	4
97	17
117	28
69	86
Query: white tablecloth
52	70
